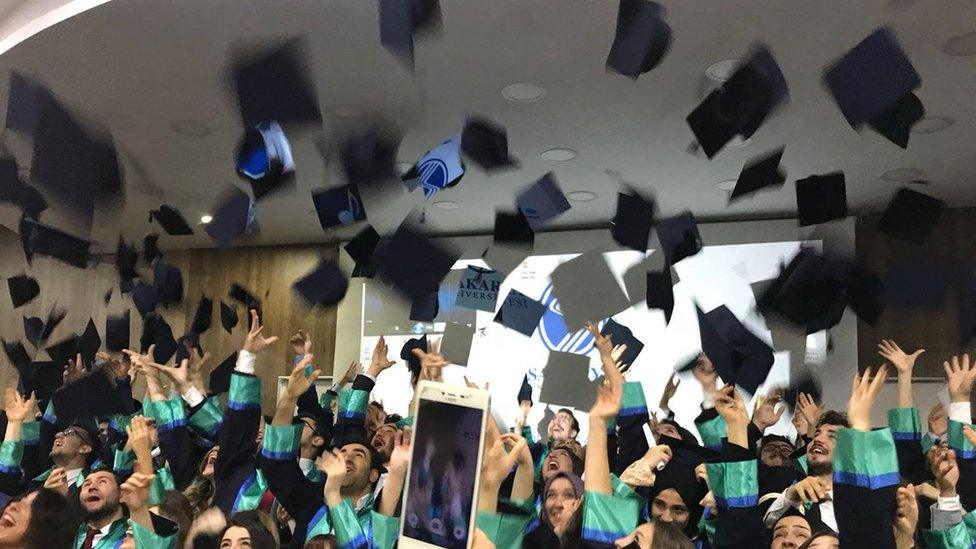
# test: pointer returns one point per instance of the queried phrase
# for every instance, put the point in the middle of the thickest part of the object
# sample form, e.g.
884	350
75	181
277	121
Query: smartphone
440	497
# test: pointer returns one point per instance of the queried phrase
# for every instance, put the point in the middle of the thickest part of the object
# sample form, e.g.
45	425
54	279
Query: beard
819	469
105	510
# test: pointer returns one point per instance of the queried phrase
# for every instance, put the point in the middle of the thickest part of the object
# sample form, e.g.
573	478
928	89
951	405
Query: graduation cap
821	198
368	157
660	291
16	353
895	124
360	249
456	342
15	191
64	350
172	220
426	308
89	343
916	285
42	239
739	356
150	248
144	298
412	263
272	85
631	226
512	228
338	206
228	316
542	201
41	377
439	168
642	38
741	104
325	285
92	395
587	289
802	381
566	381
23	289
117	332
525	391
520	312
185	345
478	289
621	335
126	258
402	20
168	282
758	174
242	295
264	158
486	143
201	319
33	328
871	79
230	218
679	237
911	216
156	331
38	332
220	376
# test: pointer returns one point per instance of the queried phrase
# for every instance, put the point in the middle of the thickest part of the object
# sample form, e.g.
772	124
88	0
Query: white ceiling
140	66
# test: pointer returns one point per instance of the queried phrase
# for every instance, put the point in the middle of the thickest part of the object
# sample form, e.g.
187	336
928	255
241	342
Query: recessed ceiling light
726	184
963	45
722	71
190	128
559	155
581	196
932	124
206	219
901	174
523	92
446	205
347	111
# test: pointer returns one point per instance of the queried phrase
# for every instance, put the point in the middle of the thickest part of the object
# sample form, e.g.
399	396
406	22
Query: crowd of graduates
192	468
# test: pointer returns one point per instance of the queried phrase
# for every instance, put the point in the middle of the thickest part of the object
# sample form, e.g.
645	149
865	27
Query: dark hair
833	417
575	421
375	459
393	418
322	541
176	507
667	535
819	534
250	521
94	442
48	527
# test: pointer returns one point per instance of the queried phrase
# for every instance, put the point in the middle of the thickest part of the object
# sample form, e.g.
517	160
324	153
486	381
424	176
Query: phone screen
441	492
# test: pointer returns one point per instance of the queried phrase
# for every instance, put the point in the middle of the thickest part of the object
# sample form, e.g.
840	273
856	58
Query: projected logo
433	175
554	333
353	210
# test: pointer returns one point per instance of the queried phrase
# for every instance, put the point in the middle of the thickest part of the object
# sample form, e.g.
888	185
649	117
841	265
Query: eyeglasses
72	431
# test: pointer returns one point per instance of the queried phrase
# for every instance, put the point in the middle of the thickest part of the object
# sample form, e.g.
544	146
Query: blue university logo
433	175
554	333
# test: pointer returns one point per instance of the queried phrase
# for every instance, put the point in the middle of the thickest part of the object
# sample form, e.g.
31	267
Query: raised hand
301	344
302	377
195	368
511	442
643	471
612	369
118	367
352	371
705	373
140	443
496	463
729	405
903	363
333	465
669	390
969	433
765	412
608	397
960	375
379	361
617	352
808	490
864	390
938	420
400	457
810	410
942	462
57	480
74	370
255	342
179	375
16	407
906	517
134	492
432	362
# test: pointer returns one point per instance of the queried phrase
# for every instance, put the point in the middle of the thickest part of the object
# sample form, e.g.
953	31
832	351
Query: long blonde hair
200	492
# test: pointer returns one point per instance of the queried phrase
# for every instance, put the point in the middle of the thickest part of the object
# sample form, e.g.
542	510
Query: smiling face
790	533
669	507
15	520
820	450
557	461
383	440
70	444
236	537
359	475
99	495
560	503
775	453
561	426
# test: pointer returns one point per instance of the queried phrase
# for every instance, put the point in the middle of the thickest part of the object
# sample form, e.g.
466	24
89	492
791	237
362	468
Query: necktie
89	538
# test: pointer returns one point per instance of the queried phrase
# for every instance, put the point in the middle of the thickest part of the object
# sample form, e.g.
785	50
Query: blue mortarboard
632	223
821	198
150	248
220	376
739	356
368	157
144	298
15	191
361	249
64	350
325	285
126	259
228	316
519	312
542	201
338	206
402	20
440	168
264	158
660	291
156	331
272	85
412	263
478	289
641	40
621	335
679	237
168	282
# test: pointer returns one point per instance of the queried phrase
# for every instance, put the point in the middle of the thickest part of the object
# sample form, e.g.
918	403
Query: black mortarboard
631	226
426	308
144	298
42	239
23	289
566	381
525	391
802	381
156	331
456	342
911	216
587	289
641	40
759	173
368	157
230	218
361	248
660	291
895	124
33	328
150	248
821	198
185	345
542	201
520	312
679	237
741	104
89	343
401	20
241	294
338	206
126	258
513	228
739	356
64	350
228	316
871	78
486	143
272	85
117	332
220	376
201	319
16	353
42	377
264	158
38	333
406	353
15	191
172	220
168	282
478	289
325	285
412	263
621	335
915	285
92	395
865	293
